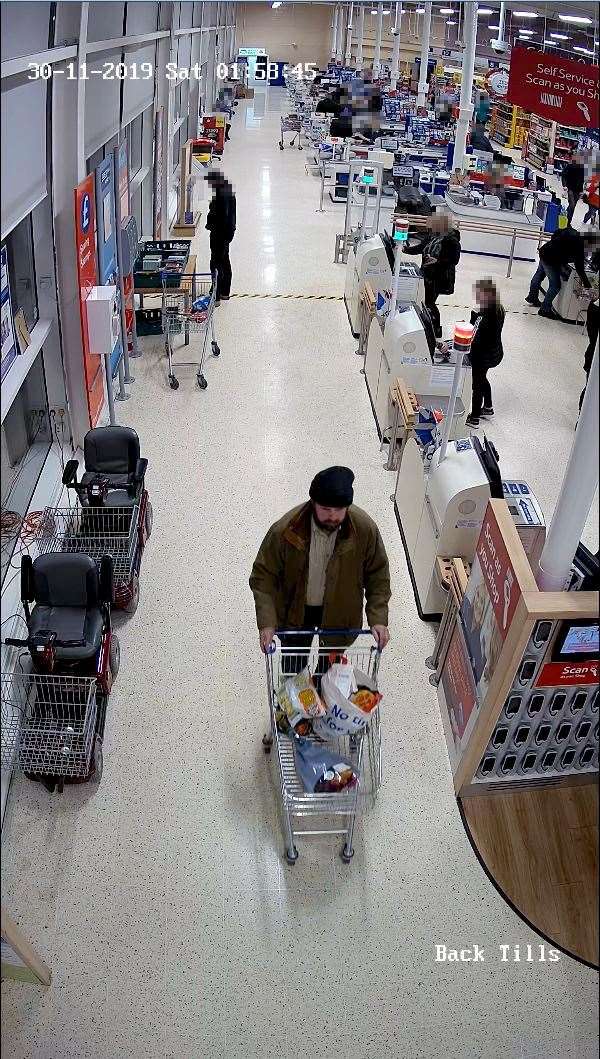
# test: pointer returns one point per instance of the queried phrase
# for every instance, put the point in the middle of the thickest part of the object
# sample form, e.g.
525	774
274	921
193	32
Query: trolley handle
12	641
323	632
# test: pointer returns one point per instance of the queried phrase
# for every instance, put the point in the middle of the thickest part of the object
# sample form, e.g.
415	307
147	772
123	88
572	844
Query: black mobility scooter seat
111	454
66	590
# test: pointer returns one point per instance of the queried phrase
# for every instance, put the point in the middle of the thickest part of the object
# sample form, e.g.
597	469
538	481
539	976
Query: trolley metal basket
363	750
52	725
120	532
190	310
292	123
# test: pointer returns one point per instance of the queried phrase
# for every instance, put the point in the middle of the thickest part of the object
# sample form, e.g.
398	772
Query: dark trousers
431	295
554	283
220	263
593	329
573	199
299	646
482	391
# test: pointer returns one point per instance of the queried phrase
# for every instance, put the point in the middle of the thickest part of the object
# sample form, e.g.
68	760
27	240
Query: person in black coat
440	247
592	323
566	247
573	179
221	222
486	348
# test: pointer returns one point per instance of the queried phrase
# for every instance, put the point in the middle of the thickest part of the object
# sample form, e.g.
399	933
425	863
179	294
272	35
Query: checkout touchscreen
577	641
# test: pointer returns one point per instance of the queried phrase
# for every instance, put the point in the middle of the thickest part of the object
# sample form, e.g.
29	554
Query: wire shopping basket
48	723
295	650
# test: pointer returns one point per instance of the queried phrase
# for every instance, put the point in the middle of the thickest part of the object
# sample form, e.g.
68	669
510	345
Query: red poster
459	690
564	674
85	240
498	575
558	89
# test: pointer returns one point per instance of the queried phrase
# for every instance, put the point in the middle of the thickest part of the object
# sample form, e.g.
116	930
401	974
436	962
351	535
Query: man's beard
327	527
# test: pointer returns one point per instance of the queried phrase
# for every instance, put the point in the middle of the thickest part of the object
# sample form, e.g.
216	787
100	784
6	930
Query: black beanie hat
333	487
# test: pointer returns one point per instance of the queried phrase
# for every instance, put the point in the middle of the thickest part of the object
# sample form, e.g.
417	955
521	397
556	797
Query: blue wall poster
107	239
10	349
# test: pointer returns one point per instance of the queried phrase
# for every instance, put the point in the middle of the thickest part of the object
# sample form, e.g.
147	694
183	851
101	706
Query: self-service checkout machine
370	260
441	494
365	184
403	345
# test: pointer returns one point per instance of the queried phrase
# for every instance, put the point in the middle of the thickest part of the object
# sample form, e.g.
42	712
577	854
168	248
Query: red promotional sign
565	674
459	690
498	574
558	89
87	272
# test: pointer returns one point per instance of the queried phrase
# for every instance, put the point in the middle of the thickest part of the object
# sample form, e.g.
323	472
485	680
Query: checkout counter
485	211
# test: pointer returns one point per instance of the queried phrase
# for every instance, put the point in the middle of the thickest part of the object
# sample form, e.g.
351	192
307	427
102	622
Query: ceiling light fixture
495	26
560	36
580	20
446	10
485	11
584	51
526	33
525	14
277	3
450	22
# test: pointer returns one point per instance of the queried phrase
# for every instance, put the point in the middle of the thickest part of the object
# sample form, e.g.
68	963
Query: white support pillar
576	495
339	51
360	36
334	30
378	36
426	34
466	90
395	71
349	36
502	21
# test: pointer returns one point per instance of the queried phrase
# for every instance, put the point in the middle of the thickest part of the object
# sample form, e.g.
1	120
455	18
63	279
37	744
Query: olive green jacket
357	570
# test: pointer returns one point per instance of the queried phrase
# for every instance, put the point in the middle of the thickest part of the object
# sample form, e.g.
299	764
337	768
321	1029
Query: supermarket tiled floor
160	898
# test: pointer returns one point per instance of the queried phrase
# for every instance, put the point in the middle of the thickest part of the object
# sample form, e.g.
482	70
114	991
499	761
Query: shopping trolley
189	309
291	123
362	750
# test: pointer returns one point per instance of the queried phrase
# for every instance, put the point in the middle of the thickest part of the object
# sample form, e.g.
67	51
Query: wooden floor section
541	848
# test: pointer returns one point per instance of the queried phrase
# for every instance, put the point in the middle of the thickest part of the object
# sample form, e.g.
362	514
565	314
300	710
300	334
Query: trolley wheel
97	763
114	655
202	383
216	349
132	605
291	856
173	382
430	662
267	742
148	519
300	148
346	856
280	147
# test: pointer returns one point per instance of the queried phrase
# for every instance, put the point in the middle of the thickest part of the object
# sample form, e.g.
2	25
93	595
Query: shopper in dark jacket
440	247
573	179
566	247
486	348
221	222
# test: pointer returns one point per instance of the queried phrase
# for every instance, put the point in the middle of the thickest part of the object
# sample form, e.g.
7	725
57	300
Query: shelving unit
509	124
549	144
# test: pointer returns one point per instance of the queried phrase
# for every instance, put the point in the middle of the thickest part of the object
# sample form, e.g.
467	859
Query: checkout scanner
407	349
370	261
440	511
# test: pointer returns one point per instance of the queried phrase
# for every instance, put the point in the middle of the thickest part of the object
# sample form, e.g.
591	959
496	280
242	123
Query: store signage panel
106	233
87	272
558	89
9	343
460	696
568	674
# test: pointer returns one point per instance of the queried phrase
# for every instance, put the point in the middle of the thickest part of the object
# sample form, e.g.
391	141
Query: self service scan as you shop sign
558	89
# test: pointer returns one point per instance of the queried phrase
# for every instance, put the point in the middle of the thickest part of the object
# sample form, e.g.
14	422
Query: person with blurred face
320	563
440	247
486	348
221	223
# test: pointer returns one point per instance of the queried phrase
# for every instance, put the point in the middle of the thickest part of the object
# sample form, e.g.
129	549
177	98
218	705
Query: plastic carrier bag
339	686
321	770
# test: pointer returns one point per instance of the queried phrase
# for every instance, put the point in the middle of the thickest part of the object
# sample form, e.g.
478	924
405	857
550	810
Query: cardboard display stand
188	212
517	672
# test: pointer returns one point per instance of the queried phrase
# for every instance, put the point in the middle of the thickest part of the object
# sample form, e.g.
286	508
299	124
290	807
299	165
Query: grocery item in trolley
321	770
350	697
299	702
